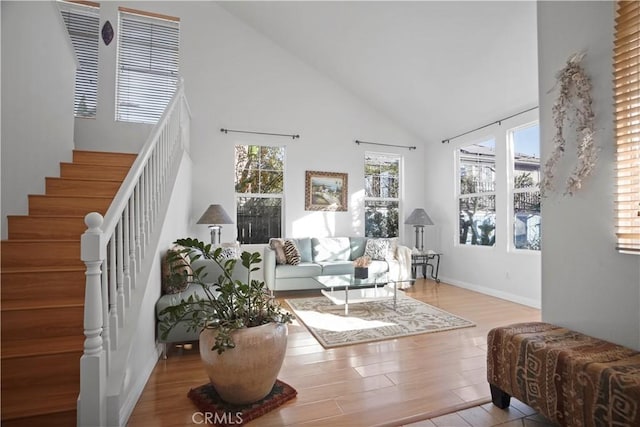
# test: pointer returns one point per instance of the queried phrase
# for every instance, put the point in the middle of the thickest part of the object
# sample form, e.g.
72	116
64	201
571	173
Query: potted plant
361	267
243	328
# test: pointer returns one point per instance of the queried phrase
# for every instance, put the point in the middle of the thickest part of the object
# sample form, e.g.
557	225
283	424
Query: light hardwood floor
393	382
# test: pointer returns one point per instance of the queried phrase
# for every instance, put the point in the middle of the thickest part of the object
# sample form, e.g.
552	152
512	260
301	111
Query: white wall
586	284
498	270
235	78
38	77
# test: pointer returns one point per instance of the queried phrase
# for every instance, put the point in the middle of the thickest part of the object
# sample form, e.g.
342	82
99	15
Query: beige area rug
371	320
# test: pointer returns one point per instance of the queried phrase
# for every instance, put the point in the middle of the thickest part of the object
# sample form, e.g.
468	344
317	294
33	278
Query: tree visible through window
259	183
382	194
477	197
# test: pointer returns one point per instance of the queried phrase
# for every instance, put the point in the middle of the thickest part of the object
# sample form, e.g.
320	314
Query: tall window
382	194
148	56
259	185
627	125
477	194
83	21
525	195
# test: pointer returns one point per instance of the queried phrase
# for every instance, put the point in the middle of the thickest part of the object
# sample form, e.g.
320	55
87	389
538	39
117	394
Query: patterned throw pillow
291	252
176	270
230	251
377	249
278	246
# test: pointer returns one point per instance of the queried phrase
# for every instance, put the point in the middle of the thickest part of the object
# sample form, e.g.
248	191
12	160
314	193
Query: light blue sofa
320	256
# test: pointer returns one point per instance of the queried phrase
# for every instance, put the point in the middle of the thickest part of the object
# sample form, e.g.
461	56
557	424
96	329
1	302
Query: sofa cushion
336	267
358	245
378	267
174	299
331	249
304	246
304	269
291	252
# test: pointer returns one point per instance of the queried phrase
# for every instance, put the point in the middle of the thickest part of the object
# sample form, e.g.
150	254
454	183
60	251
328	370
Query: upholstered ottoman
571	378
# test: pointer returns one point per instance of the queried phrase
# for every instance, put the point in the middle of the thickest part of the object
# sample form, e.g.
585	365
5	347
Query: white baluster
120	264
93	372
138	227
114	313
113	276
126	251
132	239
107	333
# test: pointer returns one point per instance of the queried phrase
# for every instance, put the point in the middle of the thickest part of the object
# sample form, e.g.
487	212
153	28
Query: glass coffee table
345	289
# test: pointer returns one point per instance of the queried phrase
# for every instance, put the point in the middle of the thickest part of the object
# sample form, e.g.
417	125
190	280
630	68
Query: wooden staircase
42	291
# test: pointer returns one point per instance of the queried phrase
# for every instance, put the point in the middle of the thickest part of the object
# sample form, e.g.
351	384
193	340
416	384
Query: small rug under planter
371	321
220	413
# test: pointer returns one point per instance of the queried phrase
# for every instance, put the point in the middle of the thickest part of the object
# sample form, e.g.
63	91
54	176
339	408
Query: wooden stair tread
45	216
55	196
50	302
28	402
42	346
41	269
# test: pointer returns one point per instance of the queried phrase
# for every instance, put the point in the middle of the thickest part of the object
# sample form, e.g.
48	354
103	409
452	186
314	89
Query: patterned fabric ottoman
571	378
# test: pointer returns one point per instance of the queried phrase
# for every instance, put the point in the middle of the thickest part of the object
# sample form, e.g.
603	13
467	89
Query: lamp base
420	235
215	234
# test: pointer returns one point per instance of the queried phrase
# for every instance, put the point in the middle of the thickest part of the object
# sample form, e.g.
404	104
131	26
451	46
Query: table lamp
214	216
419	219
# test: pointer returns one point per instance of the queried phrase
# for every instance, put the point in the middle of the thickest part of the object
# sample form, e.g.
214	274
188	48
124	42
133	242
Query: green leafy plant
228	304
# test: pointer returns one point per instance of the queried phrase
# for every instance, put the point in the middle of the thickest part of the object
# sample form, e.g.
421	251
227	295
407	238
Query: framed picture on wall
325	191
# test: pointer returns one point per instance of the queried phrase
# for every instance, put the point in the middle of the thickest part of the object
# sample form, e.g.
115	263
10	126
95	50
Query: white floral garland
575	92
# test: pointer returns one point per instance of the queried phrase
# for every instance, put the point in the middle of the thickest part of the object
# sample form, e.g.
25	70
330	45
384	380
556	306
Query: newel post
93	373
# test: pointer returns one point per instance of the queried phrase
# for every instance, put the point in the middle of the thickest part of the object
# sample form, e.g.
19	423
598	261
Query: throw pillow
278	246
291	252
230	251
377	249
176	270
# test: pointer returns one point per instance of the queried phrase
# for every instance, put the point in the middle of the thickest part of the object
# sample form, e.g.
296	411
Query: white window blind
82	20
148	57
627	125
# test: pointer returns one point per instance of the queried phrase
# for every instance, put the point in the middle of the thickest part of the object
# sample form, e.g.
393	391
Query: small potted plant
361	267
243	328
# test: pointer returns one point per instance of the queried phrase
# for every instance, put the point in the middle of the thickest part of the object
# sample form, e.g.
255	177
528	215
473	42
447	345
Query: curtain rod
386	145
260	133
498	122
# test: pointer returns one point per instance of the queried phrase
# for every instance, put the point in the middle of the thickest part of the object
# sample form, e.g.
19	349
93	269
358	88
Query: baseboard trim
138	387
529	302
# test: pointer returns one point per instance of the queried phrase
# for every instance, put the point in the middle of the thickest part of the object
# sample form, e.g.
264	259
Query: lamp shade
419	217
215	214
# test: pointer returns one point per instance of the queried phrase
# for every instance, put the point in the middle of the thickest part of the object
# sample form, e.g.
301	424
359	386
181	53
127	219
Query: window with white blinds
627	125
148	56
82	20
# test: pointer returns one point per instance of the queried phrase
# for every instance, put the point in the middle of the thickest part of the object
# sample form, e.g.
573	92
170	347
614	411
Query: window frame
280	196
384	200
626	111
512	191
459	195
132	76
86	78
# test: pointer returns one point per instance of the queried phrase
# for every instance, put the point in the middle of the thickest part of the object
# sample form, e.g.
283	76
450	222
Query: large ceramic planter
246	373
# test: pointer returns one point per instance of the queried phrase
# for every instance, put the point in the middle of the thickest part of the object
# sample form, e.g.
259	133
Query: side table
425	260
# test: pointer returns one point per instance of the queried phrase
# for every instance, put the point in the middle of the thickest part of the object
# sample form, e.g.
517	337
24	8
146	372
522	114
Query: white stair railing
115	247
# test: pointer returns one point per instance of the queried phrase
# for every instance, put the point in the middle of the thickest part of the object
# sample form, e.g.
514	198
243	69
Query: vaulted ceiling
436	68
